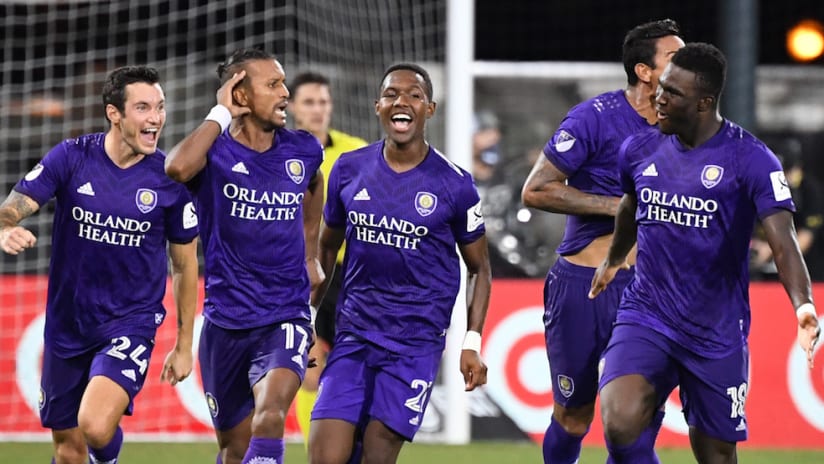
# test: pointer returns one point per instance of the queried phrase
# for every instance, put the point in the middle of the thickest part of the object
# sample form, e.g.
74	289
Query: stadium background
532	61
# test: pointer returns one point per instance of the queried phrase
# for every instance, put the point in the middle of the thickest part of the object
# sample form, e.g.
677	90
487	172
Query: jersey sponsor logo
563	141
566	385
386	230
211	402
145	199
266	206
189	216
474	217
781	188
114	230
34	173
677	209
711	175
425	203
240	168
86	189
295	169
651	170
363	195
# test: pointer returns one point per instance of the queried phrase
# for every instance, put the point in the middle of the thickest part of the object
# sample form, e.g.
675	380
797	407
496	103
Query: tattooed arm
13	238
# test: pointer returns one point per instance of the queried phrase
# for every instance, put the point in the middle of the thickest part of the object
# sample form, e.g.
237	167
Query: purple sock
219	459
261	448
108	454
559	446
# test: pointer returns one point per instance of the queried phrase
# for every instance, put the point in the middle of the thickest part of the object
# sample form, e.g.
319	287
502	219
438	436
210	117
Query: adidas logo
94	460
362	195
241	168
298	359
130	374
86	189
650	171
741	426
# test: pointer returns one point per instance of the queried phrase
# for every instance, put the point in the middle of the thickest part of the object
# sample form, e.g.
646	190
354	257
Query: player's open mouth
149	135
401	122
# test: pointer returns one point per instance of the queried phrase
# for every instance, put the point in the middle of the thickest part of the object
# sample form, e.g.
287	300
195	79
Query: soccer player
578	176
692	193
259	196
402	208
115	212
310	104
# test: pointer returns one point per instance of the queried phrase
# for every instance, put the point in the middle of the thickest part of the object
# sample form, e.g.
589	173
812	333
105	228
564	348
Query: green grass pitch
475	453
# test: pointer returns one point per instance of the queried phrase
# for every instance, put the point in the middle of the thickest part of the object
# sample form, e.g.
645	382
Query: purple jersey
250	206
108	259
696	212
401	267
585	148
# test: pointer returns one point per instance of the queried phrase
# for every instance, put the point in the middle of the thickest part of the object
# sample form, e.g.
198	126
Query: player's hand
225	98
15	239
177	367
316	275
473	369
603	276
809	332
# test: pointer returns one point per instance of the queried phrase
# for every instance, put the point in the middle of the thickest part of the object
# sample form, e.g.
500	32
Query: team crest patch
295	169
563	141
566	385
212	403
711	175
425	203
146	200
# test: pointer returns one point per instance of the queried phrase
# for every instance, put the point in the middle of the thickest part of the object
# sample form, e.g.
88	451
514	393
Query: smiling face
403	106
142	119
264	92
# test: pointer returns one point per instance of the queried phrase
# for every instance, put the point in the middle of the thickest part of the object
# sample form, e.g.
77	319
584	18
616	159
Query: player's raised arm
312	213
188	157
623	239
793	273
178	363
15	208
546	189
478	286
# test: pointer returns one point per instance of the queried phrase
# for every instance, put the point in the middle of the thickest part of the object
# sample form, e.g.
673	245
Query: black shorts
325	319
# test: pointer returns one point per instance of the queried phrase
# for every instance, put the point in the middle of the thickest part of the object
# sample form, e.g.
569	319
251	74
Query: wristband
472	341
221	115
806	308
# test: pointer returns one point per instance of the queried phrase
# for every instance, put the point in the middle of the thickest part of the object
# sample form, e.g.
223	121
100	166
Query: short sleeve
46	178
765	182
468	224
181	218
569	148
334	212
625	166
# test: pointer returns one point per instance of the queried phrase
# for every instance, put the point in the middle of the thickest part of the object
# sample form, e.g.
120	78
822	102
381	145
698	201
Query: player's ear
706	103
113	114
644	72
377	107
430	109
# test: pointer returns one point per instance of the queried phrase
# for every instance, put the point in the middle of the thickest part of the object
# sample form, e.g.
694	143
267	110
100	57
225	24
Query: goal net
54	57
